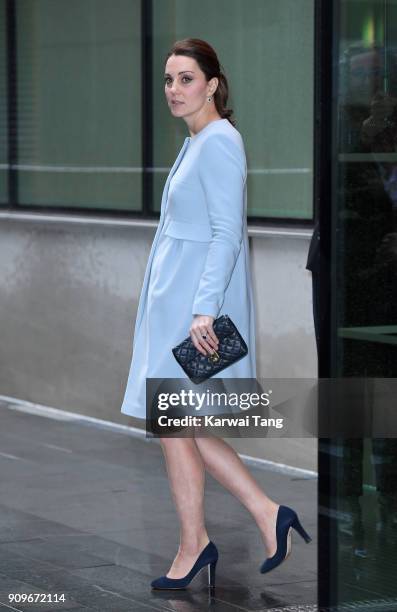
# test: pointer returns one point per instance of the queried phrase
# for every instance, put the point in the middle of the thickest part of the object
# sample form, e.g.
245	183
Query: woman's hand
202	326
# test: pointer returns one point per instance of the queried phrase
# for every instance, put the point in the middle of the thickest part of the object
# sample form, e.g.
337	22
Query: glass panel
365	289
3	107
266	50
79	100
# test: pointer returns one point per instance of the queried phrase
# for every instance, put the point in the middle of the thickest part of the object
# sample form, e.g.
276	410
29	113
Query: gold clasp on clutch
214	357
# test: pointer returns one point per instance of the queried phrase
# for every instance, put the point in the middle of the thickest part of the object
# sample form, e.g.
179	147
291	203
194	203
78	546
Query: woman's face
186	87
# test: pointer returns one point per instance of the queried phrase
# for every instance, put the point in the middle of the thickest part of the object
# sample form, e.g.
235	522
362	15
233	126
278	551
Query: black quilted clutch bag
231	348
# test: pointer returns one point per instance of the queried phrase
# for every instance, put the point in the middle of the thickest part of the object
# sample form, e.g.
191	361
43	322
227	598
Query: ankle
264	511
194	545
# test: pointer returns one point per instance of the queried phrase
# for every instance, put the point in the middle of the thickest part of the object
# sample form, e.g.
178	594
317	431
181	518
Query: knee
172	442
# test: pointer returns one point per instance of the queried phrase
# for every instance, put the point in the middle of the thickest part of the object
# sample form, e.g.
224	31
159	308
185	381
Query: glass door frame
325	75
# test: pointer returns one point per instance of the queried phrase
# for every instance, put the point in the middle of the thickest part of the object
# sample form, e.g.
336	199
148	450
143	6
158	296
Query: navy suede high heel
208	556
286	520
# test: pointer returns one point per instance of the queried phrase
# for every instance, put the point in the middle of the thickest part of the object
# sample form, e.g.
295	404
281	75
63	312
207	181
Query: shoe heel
298	527
211	574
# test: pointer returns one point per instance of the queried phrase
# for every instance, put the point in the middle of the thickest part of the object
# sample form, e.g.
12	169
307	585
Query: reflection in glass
365	288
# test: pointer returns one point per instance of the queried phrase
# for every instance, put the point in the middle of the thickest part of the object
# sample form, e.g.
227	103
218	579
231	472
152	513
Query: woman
198	269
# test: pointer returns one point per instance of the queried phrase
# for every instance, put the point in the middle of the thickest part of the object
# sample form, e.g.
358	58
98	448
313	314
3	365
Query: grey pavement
87	512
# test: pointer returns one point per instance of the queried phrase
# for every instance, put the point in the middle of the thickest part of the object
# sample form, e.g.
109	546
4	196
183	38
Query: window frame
145	213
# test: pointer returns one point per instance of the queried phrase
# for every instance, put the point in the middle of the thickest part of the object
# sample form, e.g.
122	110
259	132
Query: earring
209	99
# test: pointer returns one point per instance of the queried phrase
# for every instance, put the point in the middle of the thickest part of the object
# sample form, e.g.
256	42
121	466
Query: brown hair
208	61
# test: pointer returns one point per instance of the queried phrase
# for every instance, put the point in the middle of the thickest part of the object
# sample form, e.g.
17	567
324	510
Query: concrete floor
87	512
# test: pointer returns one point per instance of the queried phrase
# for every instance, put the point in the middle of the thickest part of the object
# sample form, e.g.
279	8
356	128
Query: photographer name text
254	420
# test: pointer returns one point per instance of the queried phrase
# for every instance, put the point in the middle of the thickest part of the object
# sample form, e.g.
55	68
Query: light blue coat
199	260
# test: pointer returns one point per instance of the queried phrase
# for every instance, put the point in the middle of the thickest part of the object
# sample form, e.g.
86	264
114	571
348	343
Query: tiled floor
87	512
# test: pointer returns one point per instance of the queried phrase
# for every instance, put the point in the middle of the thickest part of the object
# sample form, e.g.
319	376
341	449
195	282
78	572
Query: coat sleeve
222	171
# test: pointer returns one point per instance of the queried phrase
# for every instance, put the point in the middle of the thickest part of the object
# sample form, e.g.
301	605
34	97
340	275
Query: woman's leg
186	474
224	464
